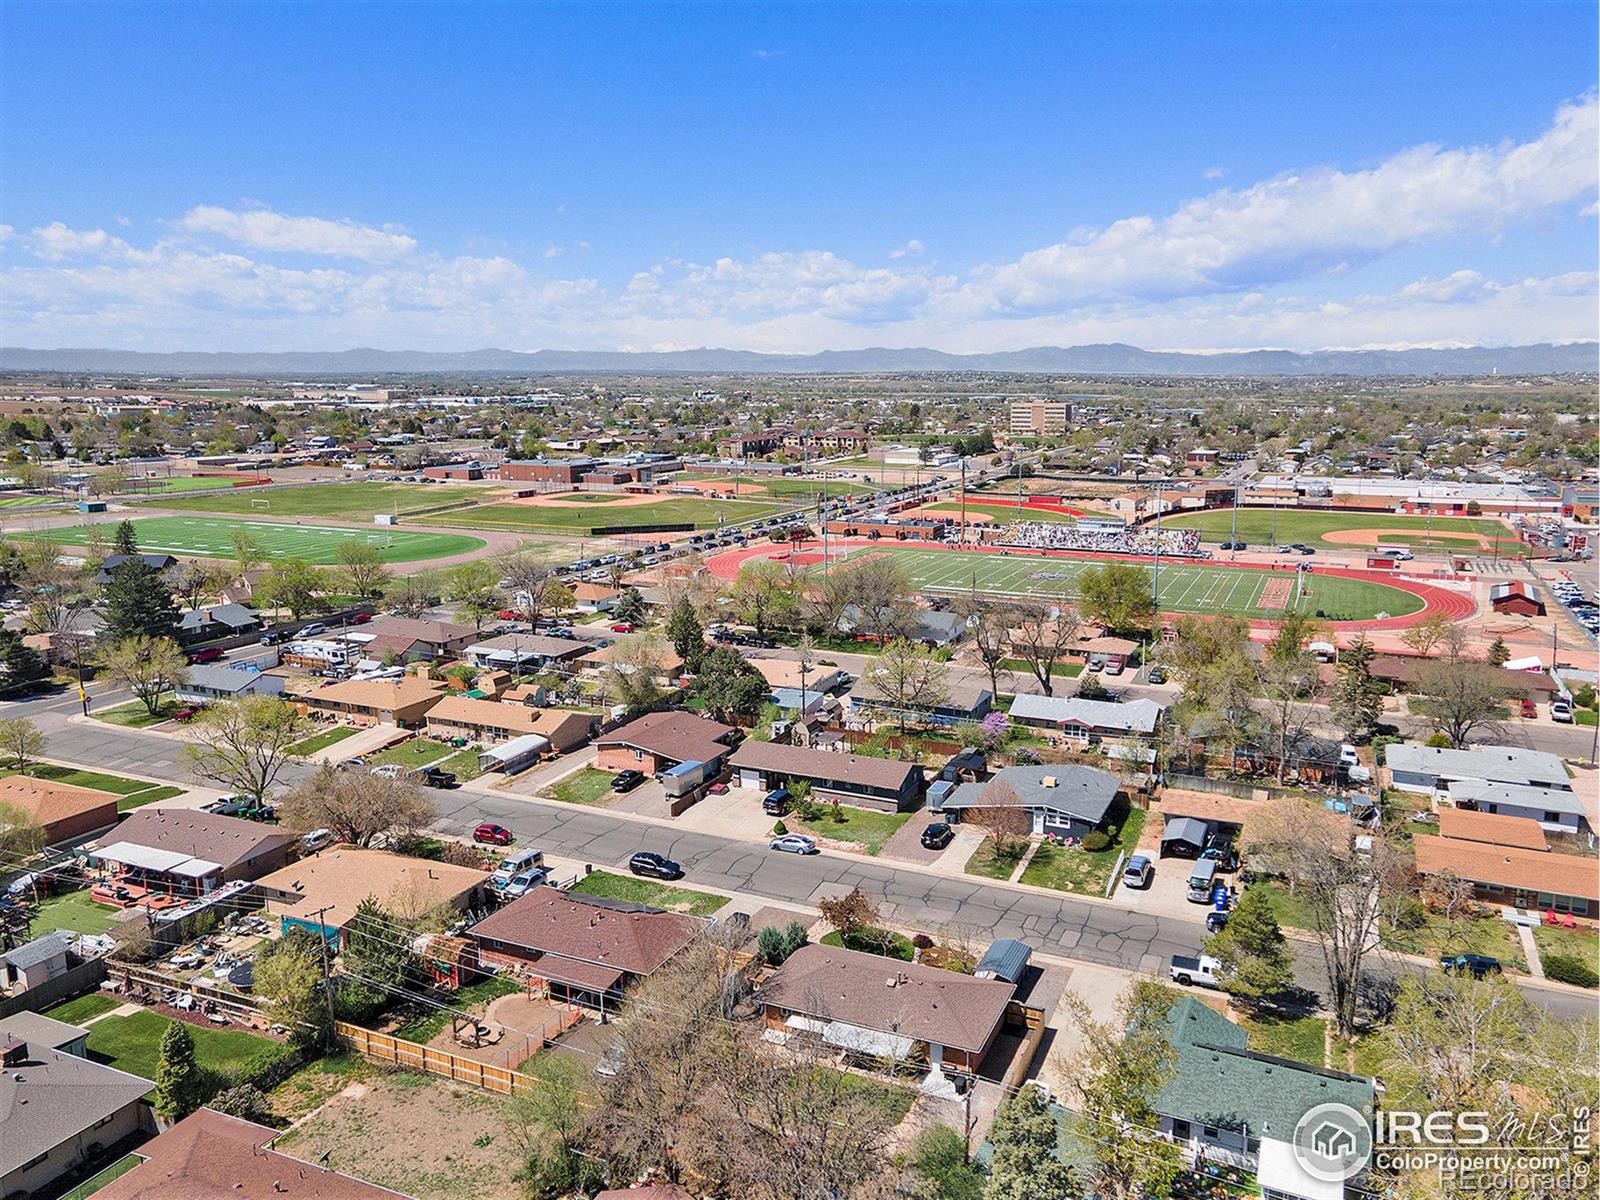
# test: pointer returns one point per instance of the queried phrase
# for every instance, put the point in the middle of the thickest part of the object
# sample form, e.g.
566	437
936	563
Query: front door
1038	823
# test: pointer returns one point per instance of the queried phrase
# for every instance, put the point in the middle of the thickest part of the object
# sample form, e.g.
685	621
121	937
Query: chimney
1050	781
14	1052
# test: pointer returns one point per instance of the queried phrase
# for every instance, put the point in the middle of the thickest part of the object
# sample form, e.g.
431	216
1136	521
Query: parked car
1190	971
1477	965
1140	872
1115	664
793	843
1235	546
186	714
316	840
495	835
1347	755
312	630
648	862
623	627
205	654
270	638
1561	710
1397	554
524	882
1216	922
353	764
389	771
776	802
1529	710
626	781
436	777
1158	674
937	836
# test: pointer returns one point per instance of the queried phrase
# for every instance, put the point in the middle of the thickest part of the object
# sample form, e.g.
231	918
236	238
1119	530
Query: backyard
1288	1036
472	998
133	1044
588	786
1087	872
646	891
83	1008
863	827
74	911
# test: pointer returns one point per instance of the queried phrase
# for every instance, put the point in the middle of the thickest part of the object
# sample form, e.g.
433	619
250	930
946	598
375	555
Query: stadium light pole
1155	586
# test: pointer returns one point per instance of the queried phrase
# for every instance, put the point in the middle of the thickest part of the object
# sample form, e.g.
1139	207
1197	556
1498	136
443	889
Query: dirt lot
423	1136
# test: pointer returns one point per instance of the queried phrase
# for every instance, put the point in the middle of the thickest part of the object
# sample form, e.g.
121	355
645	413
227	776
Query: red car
185	714
361	618
209	654
1528	709
622	627
509	614
497	835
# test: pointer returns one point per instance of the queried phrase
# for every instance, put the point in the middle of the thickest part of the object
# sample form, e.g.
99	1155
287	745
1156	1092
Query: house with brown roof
1492	829
64	810
416	639
665	663
404	701
659	740
881	1008
1539	880
886	784
211	1156
497	721
183	851
336	881
588	948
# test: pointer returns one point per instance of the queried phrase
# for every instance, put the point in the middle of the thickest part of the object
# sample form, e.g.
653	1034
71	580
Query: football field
1185	587
212	537
582	514
356	501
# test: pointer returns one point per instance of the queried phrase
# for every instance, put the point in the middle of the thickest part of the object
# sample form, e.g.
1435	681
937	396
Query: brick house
657	741
63	810
403	702
494	720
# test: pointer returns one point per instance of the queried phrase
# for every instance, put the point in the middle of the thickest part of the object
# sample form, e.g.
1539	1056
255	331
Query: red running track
1436	600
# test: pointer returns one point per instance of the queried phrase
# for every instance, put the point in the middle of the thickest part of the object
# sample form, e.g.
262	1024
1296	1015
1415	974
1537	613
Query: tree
882	594
413	595
137	602
360	567
939	1162
989	633
557	596
248	553
1449	895
910	677
1117	1077
357	808
630	607
633	671
525	574
1291	684
476	588
1427	633
377	959
56	593
1357	701
1025	1165
25	667
851	915
243	745
193	584
549	1128
180	1084
1499	652
20	835
1045	629
292	584
687	635
1118	595
734	691
149	667
763	595
20	742
288	977
1460	696
125	541
1257	964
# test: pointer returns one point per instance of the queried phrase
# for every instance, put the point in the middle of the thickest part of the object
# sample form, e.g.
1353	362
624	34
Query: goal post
260	504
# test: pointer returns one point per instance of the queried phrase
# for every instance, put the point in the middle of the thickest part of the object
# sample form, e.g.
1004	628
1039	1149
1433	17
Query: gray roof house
1090	719
1055	799
1556	811
1230	1104
963	701
217	620
1419	768
206	682
32	963
58	1112
39	1030
156	562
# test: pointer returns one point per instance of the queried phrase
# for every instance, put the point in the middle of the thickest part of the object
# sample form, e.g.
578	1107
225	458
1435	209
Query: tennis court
559	516
1185	587
212	537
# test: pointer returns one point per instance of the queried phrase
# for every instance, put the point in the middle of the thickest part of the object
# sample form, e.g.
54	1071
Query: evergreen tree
1499	652
377	957
25	667
1025	1166
1256	961
138	603
630	607
687	635
1357	701
180	1086
125	542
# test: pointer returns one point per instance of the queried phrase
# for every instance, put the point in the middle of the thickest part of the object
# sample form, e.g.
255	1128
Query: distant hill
1109	359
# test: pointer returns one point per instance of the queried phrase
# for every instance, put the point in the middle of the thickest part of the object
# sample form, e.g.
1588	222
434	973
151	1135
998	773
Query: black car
647	862
435	778
626	781
1158	674
776	802
1301	548
1234	546
937	836
1216	922
1477	965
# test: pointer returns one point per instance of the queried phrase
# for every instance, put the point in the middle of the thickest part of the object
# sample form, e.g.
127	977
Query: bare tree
148	667
1461	697
1426	634
357	807
989	628
910	677
413	595
1045	629
243	745
525	575
1294	691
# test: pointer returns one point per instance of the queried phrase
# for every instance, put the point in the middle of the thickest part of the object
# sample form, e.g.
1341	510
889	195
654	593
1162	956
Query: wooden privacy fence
432	1060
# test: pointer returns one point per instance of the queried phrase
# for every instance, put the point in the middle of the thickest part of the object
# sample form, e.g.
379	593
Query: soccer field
346	501
212	537
1185	588
583	517
1296	525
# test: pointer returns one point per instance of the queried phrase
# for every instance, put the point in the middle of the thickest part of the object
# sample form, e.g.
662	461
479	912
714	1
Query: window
1210	1132
1552	818
1180	1130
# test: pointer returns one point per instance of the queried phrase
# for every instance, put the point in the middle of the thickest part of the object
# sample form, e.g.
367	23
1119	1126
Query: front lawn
74	911
120	784
874	941
634	890
1060	670
990	865
321	741
1292	912
1286	1036
865	827
1580	943
133	1044
134	714
1087	872
412	754
588	786
1466	935
463	764
82	1008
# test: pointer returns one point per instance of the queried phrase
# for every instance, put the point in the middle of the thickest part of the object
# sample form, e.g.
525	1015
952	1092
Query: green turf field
1002	514
212	537
581	518
160	485
346	501
1185	588
27	501
1295	525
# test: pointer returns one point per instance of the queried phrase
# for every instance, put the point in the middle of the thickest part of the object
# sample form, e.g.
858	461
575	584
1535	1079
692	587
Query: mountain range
1107	359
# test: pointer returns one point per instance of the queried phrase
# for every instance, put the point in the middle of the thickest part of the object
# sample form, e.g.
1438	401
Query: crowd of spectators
1041	535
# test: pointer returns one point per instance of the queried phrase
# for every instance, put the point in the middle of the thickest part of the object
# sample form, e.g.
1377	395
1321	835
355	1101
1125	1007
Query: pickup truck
1201	971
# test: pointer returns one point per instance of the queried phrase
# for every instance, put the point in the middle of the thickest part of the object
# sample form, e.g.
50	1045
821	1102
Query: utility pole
1234	536
1155	585
962	540
327	978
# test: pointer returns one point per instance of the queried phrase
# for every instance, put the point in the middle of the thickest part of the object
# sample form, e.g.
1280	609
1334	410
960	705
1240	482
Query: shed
1005	959
512	756
1185	837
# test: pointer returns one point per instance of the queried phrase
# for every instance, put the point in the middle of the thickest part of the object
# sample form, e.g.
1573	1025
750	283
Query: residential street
1088	931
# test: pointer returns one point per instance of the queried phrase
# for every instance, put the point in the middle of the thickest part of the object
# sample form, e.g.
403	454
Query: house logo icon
1332	1143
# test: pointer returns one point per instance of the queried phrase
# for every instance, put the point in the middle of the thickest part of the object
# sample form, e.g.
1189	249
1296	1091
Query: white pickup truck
1202	971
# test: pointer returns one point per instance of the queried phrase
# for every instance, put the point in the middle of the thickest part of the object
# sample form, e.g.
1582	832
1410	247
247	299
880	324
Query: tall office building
1040	418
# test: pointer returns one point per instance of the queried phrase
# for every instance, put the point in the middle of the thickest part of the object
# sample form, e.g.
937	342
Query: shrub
247	1102
921	941
1565	969
1584	697
1437	741
779	829
769	944
1411	913
1027	756
1096	839
939	1158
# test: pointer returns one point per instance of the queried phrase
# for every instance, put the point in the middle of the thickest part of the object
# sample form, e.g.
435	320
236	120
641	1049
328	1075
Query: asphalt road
1074	929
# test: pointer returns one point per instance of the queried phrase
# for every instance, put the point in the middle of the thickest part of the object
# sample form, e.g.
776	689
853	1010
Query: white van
514	864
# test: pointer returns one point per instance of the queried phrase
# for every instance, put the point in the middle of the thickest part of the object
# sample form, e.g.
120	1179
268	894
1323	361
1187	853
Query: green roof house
1228	1104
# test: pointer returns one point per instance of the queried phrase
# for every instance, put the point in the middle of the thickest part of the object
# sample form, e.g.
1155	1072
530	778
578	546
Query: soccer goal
260	504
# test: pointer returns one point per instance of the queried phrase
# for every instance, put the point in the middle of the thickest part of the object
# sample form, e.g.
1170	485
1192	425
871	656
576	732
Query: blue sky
796	177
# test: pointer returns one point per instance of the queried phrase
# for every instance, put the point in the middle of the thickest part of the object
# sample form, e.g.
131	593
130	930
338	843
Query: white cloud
56	241
1214	172
911	249
768	53
263	229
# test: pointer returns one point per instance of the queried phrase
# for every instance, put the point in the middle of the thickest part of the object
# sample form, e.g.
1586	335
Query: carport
1184	837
